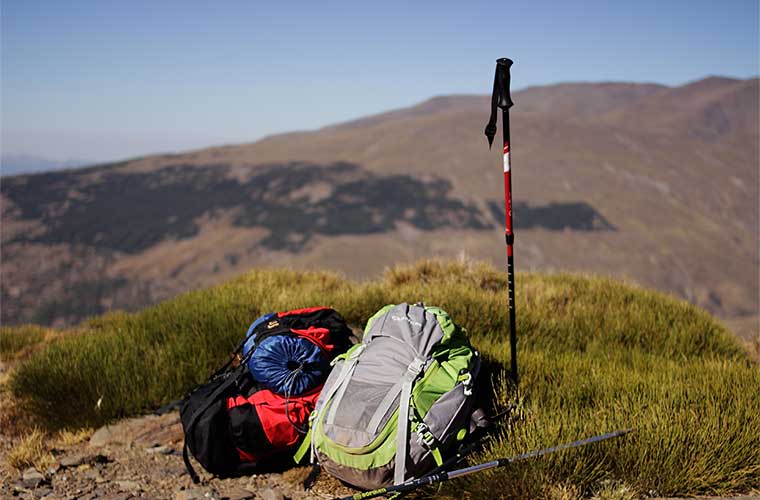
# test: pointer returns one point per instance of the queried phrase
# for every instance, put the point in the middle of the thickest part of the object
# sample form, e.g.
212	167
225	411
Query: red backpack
235	420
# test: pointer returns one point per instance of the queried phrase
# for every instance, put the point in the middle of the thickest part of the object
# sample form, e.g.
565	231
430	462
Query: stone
270	494
102	436
235	494
146	431
42	491
72	461
174	470
128	485
119	433
19	487
93	475
31	478
190	494
116	496
161	450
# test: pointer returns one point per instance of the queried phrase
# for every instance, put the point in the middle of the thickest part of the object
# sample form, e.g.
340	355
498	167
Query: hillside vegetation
595	355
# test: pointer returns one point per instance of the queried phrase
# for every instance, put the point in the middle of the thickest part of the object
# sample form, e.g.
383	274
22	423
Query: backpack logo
272	324
404	318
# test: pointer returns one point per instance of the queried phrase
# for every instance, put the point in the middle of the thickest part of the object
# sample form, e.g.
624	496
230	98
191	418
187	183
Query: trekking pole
460	456
501	462
462	453
501	99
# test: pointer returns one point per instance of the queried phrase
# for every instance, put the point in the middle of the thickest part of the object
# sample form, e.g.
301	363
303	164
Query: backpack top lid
421	328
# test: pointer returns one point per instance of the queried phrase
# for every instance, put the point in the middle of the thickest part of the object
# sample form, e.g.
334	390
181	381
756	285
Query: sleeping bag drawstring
289	382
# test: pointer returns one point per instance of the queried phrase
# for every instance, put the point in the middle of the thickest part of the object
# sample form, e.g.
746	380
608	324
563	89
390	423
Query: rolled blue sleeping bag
286	364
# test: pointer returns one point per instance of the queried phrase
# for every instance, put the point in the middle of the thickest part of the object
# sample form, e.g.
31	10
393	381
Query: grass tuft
68	437
30	451
594	355
613	490
561	491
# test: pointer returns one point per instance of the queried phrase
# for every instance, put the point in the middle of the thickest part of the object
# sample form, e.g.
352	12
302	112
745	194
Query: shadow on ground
129	212
577	216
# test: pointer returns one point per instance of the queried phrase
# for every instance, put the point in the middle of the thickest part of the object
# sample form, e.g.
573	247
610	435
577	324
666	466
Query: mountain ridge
589	90
619	188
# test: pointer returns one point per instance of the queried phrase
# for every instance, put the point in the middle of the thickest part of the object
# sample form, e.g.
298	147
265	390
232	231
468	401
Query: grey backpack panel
444	419
405	333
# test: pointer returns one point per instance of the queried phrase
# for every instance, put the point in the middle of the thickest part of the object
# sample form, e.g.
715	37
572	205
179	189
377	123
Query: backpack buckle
416	366
424	436
466	378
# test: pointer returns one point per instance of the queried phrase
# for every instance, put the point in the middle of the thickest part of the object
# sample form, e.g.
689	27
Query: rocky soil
142	458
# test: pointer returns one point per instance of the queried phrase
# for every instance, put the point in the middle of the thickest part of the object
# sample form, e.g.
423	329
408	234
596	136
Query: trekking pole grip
503	78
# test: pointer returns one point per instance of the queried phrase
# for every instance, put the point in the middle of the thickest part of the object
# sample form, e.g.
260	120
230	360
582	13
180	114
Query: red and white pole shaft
509	235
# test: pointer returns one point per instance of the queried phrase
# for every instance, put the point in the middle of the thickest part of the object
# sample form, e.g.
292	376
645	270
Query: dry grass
614	490
68	437
561	491
30	451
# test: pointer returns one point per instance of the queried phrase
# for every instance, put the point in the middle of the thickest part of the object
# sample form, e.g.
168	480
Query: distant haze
25	164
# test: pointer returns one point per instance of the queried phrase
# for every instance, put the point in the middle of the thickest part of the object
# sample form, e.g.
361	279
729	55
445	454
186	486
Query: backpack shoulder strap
402	433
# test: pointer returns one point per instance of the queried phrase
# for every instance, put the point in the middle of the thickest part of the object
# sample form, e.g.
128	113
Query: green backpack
395	405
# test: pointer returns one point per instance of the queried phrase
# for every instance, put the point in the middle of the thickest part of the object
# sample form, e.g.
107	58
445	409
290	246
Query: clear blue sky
111	79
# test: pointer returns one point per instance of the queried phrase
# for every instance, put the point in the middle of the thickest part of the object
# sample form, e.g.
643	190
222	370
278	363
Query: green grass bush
595	355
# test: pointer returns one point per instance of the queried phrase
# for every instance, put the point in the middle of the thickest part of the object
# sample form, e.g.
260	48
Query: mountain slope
654	184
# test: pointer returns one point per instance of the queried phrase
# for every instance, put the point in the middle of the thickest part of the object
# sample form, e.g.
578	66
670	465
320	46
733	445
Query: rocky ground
142	458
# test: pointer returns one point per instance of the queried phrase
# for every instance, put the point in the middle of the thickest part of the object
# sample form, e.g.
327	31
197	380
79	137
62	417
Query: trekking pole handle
503	78
500	98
